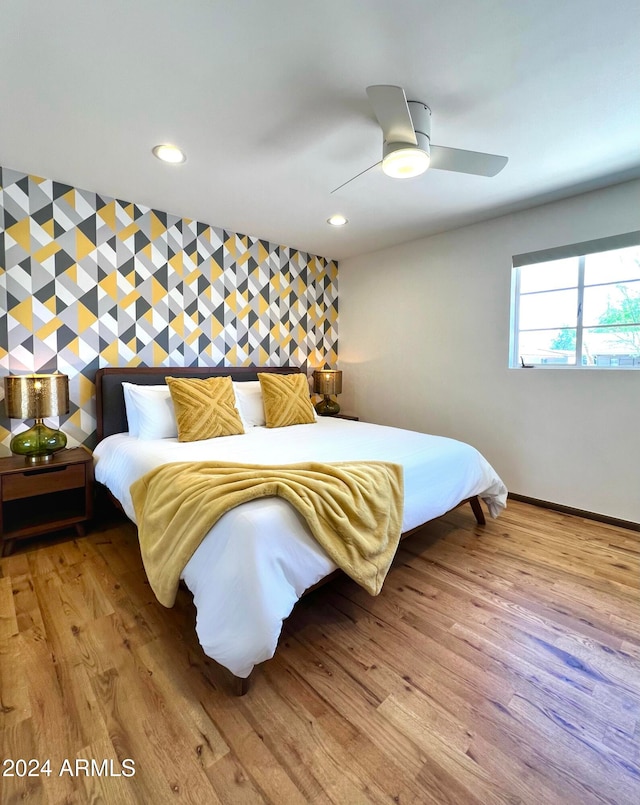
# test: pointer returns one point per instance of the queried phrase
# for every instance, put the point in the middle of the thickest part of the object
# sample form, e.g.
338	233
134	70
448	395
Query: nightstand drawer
41	481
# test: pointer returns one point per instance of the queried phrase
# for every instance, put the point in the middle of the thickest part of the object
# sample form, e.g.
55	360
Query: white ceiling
267	98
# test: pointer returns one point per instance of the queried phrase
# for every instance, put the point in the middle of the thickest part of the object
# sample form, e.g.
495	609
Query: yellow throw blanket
353	509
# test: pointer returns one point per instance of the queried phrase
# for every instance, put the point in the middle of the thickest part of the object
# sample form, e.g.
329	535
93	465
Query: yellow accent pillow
286	400
205	408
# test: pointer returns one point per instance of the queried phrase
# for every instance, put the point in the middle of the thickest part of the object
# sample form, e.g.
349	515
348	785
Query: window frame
581	251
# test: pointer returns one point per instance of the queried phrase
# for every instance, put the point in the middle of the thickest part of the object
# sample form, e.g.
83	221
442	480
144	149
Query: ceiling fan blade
356	176
454	159
390	107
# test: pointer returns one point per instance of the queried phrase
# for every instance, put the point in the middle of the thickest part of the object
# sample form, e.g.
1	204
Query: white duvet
259	558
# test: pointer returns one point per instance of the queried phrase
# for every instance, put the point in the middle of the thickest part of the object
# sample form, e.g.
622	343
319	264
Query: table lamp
35	397
327	382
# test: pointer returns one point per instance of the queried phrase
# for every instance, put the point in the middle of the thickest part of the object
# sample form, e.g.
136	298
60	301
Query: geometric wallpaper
88	281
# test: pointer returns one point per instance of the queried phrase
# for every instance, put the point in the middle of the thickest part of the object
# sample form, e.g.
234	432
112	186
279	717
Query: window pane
611	346
548	324
612	304
548	346
621	264
550	309
547	276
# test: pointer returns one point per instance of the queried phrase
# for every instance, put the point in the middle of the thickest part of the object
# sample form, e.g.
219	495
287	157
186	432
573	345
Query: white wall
424	345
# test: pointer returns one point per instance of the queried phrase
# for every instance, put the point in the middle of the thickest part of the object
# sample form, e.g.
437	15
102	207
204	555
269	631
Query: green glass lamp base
327	407
39	443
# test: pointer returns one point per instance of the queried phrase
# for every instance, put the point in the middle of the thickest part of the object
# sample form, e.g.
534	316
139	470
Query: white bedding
259	558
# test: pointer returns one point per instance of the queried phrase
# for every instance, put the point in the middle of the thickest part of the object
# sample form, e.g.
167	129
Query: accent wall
88	281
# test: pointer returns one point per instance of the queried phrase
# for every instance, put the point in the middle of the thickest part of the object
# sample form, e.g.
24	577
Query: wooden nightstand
38	498
347	416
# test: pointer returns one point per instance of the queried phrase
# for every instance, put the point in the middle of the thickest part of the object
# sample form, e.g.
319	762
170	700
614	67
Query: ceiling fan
407	149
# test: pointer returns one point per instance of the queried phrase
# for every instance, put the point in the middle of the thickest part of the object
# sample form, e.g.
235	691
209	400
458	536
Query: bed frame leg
477	510
240	685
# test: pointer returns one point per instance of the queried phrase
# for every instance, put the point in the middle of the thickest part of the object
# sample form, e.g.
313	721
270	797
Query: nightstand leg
80	529
7	547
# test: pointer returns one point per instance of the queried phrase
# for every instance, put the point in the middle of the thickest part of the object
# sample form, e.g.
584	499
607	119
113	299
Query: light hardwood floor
500	664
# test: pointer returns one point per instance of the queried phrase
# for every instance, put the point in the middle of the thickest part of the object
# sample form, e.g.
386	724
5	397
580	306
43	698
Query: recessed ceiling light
337	220
169	153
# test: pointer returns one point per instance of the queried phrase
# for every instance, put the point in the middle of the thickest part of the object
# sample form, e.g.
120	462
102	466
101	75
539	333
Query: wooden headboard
110	409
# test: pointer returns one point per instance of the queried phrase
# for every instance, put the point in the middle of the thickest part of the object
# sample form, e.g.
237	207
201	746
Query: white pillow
129	407
150	411
249	403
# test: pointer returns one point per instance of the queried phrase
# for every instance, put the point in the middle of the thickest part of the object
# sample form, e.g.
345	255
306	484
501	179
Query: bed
259	558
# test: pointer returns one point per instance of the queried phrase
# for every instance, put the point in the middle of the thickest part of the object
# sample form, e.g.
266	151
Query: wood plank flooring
500	664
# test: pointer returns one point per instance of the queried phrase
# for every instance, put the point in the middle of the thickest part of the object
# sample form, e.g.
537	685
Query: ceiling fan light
404	163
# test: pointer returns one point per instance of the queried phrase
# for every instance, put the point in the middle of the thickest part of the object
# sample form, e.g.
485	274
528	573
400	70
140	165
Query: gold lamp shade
327	382
35	397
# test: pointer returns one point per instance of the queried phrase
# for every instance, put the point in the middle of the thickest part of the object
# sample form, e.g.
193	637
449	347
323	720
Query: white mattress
259	558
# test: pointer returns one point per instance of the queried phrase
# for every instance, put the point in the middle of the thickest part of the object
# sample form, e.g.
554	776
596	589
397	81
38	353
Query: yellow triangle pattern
108	215
50	327
158	291
128	231
20	232
85	318
157	227
110	285
46	251
23	313
157	310
48	227
83	245
176	263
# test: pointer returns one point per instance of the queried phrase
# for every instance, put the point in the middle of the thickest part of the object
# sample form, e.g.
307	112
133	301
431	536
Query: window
578	305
